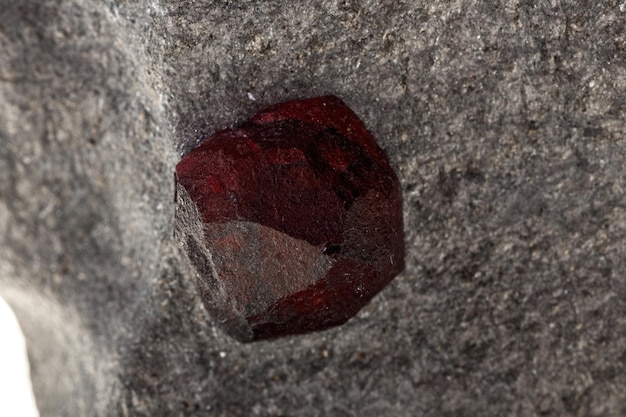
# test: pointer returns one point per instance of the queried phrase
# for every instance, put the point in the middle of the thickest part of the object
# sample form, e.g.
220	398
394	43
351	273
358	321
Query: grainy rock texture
506	122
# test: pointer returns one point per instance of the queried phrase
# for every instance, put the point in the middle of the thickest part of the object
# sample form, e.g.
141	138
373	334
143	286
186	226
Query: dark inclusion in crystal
292	222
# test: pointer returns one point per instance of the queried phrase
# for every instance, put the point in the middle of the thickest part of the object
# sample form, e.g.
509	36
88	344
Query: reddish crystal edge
301	219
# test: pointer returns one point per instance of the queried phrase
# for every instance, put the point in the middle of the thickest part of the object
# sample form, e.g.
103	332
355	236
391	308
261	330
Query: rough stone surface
505	122
300	219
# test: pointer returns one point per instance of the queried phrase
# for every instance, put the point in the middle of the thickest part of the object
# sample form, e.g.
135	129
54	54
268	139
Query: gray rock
506	123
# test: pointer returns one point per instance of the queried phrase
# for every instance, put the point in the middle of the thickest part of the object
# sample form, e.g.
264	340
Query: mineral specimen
292	222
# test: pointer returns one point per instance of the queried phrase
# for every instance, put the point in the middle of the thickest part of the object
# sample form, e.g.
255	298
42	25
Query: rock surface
505	123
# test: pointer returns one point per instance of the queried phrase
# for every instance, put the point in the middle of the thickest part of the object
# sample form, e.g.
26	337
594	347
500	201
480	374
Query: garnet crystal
292	222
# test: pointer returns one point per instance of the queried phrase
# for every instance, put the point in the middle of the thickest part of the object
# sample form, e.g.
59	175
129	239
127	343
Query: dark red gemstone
292	222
